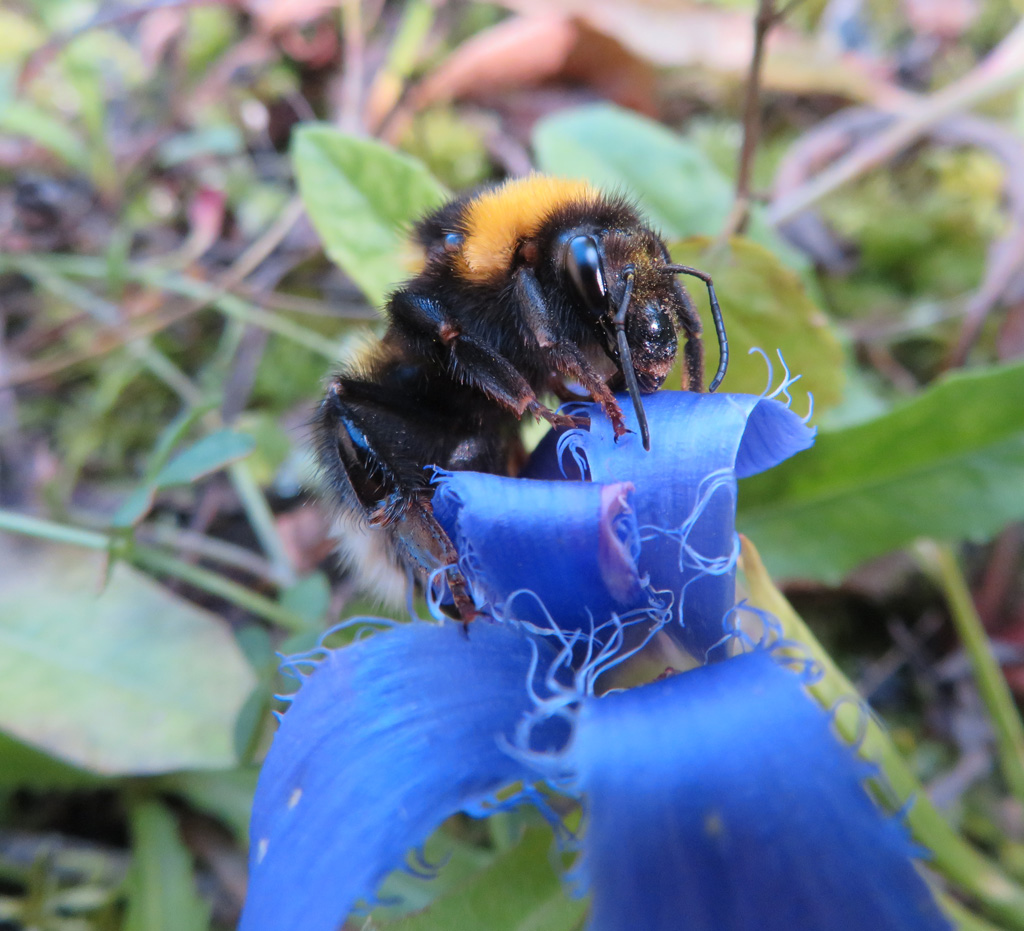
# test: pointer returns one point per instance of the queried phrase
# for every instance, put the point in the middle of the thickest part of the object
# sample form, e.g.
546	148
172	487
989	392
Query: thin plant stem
192	543
13	522
233	306
738	218
402	57
109	315
261	248
253	501
213	583
767	18
940	563
158	561
202	293
996	893
261	519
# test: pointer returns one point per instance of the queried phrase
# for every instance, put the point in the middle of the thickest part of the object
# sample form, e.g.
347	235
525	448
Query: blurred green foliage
156	440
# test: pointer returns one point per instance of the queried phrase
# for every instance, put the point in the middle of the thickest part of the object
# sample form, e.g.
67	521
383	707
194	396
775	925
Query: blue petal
572	545
719	800
685	489
384	739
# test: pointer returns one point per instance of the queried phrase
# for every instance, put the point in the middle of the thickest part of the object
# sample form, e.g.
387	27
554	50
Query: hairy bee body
524	288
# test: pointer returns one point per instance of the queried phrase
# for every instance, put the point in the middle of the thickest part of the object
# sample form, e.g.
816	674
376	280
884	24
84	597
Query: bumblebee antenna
626	358
716	314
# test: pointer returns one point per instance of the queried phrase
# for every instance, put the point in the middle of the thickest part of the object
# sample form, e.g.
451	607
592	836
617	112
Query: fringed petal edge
383	740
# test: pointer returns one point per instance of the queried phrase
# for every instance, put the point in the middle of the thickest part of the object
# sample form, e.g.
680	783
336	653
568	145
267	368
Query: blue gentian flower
715	798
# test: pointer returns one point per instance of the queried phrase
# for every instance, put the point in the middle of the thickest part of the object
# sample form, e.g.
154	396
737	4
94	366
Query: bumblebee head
623	288
597	264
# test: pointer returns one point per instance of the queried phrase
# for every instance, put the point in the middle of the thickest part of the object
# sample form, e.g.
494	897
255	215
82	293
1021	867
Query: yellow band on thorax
498	220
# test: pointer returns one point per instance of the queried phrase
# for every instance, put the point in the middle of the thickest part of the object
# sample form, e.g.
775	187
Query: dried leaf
695	35
529	50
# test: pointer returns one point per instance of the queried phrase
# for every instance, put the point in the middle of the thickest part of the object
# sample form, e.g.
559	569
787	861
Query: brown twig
106	341
1003	268
767	18
1000	71
842	133
1000	576
262	246
117	336
885	363
351	309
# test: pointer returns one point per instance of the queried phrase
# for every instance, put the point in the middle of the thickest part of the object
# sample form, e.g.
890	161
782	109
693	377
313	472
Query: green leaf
24	766
172	435
681	191
134	508
309	598
765	305
129	680
210	454
190	462
948	464
21	118
678	186
258	648
161	888
362	196
250	725
518	891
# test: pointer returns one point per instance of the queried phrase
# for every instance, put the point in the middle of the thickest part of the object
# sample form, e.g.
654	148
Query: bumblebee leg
470	360
565	356
369	478
426	545
693	353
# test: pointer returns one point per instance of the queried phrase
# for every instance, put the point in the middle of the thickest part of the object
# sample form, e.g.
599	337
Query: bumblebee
525	289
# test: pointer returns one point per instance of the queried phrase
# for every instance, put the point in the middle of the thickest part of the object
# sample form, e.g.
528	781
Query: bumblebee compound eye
583	263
